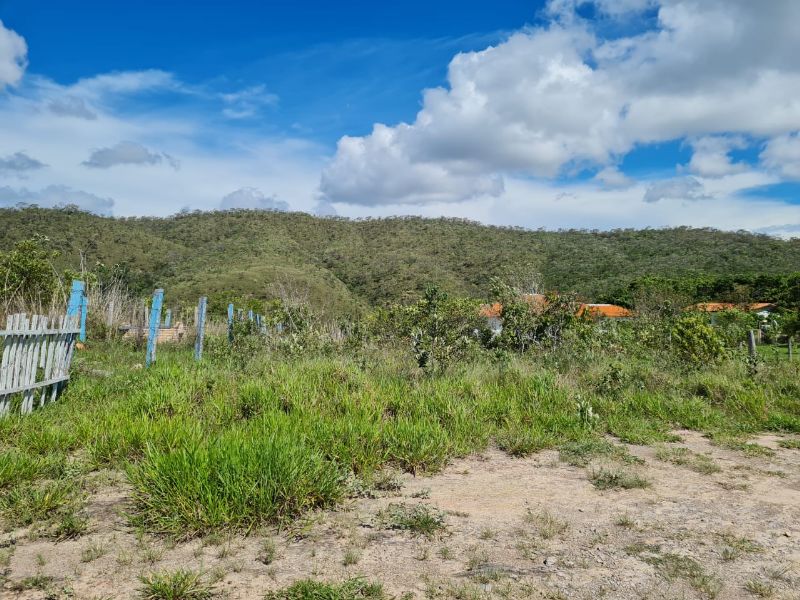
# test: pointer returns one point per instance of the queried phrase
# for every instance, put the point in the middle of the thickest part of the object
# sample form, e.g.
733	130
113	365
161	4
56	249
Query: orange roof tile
609	311
719	306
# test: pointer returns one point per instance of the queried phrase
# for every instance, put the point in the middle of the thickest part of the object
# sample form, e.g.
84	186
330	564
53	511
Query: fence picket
35	354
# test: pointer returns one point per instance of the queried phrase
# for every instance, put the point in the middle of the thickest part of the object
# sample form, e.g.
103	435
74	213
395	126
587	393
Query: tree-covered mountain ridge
344	264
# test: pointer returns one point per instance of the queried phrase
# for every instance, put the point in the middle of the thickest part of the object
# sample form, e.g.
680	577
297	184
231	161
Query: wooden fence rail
36	355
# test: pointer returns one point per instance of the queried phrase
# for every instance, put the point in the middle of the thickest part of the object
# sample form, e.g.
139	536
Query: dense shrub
695	341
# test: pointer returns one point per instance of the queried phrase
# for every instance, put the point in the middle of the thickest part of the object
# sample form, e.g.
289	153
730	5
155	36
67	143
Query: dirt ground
515	528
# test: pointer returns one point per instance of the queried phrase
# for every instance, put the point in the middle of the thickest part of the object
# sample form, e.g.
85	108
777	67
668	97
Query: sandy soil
516	528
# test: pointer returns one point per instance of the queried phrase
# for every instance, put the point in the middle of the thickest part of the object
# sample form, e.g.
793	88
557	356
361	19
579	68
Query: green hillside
344	264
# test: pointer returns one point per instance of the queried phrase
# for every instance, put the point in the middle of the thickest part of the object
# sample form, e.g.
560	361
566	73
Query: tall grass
234	444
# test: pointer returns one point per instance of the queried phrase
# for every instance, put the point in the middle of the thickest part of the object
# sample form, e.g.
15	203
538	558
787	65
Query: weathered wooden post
250	315
75	301
110	319
84	311
168	319
751	343
201	328
155	321
791	353
230	322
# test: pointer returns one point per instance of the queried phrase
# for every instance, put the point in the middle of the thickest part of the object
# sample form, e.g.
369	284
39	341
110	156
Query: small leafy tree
27	274
526	324
695	341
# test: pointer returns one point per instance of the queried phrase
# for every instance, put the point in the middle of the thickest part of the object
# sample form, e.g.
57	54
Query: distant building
603	311
712	307
493	312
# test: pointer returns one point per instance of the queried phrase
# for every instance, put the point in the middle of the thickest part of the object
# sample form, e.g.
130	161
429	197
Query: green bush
695	341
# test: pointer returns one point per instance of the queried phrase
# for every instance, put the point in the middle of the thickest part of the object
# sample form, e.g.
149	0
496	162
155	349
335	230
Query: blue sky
566	113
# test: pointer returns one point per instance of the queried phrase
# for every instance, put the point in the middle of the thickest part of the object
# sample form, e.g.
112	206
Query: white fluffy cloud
711	159
127	153
782	154
559	98
62	125
56	195
249	197
13	56
684	188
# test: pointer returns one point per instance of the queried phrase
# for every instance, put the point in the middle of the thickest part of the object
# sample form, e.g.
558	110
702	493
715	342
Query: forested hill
344	263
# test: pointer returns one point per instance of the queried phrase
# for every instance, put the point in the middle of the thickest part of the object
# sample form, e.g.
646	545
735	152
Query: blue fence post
168	318
250	315
84	311
75	299
155	321
201	328
230	322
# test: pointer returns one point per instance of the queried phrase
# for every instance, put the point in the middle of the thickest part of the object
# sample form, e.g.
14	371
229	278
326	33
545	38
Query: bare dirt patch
713	521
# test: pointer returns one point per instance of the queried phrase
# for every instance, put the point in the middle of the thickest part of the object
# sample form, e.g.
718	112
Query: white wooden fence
36	359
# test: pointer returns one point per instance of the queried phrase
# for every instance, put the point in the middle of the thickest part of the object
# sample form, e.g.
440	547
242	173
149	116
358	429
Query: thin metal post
168	319
230	322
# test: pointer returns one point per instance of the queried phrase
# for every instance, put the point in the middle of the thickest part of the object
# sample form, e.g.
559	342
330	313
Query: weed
5	556
308	589
208	484
672	566
351	557
422	553
608	479
30	503
487	533
420	519
700	463
268	552
736	546
758	588
69	526
792	444
387	481
547	525
445	553
92	552
625	521
581	453
34	582
174	585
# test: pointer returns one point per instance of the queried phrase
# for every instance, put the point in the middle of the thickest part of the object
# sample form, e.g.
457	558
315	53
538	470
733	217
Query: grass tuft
308	589
419	519
175	585
617	479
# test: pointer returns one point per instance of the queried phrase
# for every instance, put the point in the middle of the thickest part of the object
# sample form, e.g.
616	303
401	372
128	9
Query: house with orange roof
603	311
493	312
763	309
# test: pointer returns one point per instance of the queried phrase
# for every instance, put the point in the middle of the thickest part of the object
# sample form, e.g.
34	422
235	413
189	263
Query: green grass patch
419	519
309	589
684	457
241	479
182	584
606	478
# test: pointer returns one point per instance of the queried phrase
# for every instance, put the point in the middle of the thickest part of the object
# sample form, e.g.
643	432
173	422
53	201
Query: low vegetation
308	589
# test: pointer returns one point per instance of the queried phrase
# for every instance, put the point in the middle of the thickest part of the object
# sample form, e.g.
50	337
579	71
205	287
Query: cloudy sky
567	113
